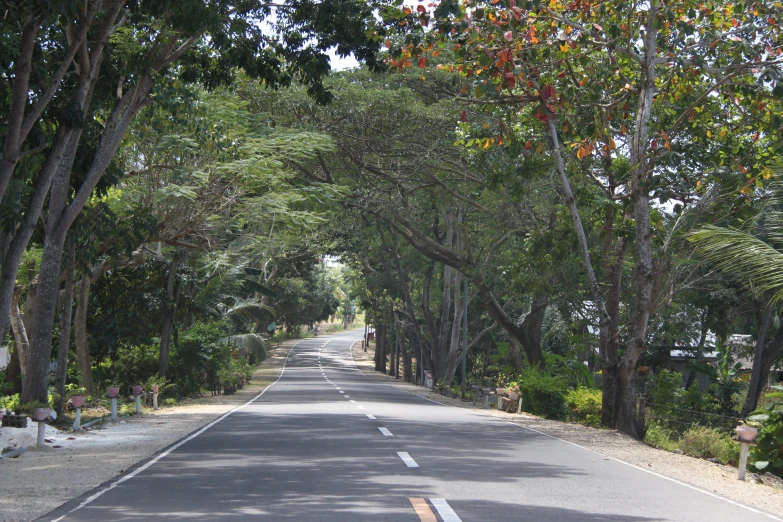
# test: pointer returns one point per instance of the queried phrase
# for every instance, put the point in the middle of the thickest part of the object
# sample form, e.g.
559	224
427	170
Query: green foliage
585	405
666	390
30	406
697	441
659	437
768	454
199	355
10	402
543	394
704	442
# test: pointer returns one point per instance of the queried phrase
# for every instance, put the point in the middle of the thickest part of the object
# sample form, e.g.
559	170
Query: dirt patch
44	478
760	491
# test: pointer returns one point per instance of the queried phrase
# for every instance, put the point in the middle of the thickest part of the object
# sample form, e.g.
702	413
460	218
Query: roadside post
746	436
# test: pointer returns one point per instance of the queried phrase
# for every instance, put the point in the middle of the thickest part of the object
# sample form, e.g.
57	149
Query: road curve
327	443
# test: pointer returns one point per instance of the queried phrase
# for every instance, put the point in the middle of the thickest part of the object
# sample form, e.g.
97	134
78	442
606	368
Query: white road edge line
352	401
371	416
386	432
138	470
670	479
407	459
444	510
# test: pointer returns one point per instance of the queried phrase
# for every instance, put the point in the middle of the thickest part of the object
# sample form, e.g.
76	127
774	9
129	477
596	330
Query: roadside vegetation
581	201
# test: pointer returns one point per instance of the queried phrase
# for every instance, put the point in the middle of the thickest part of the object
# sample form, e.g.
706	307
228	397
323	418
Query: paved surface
327	443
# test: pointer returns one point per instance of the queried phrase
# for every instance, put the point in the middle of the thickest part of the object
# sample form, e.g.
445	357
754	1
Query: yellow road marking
422	509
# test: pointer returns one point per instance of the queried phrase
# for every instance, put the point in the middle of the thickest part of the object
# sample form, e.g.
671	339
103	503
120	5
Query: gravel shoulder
44	478
757	491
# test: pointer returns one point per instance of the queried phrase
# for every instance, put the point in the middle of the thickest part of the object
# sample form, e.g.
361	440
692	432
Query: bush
542	394
703	442
768	454
10	402
199	357
660	437
585	405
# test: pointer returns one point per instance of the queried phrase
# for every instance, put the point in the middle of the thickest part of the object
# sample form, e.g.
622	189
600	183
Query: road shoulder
43	479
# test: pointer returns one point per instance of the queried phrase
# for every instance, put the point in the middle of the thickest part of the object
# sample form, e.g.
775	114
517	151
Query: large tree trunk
35	385
456	326
418	337
380	347
21	341
83	361
169	311
643	278
609	338
440	356
756	383
65	316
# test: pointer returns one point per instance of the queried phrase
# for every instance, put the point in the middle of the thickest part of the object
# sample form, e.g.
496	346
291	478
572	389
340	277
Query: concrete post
138	403
519	407
114	409
486	400
500	402
743	463
41	434
154	401
77	422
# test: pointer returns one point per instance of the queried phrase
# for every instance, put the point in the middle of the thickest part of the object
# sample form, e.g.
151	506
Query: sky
339	64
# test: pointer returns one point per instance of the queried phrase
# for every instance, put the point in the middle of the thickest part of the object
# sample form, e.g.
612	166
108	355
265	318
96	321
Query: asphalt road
327	443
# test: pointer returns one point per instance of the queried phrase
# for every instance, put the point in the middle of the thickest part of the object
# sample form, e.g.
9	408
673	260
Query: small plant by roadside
703	442
585	406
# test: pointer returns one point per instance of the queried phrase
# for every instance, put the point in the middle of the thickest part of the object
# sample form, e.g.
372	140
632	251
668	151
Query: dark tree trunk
83	360
754	390
173	287
65	316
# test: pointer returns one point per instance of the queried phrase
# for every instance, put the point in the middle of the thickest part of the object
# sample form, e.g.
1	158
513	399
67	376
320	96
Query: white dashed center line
386	432
444	510
342	391
370	416
407	459
353	401
360	407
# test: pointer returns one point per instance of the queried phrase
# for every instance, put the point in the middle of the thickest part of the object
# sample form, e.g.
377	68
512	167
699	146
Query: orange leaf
387	43
422	62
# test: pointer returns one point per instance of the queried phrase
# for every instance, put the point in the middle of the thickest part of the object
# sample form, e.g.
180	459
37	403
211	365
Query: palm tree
755	257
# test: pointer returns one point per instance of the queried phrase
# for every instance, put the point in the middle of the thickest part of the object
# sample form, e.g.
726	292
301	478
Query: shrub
703	442
542	394
585	405
768	454
659	437
10	402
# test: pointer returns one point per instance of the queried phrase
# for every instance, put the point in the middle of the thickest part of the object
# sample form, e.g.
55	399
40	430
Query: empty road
327	443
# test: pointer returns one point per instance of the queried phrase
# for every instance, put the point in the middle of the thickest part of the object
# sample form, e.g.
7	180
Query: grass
697	441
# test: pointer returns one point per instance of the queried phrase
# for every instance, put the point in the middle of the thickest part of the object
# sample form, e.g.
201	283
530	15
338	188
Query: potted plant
137	388
113	390
77	396
38	409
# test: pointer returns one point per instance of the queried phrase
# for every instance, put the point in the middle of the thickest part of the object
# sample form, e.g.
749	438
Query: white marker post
155	401
743	463
41	434
746	435
77	422
114	409
138	403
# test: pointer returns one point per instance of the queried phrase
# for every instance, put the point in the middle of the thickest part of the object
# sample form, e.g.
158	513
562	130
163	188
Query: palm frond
743	256
250	343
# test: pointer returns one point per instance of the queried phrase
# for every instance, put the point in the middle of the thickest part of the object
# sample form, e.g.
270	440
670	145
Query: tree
589	72
118	72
